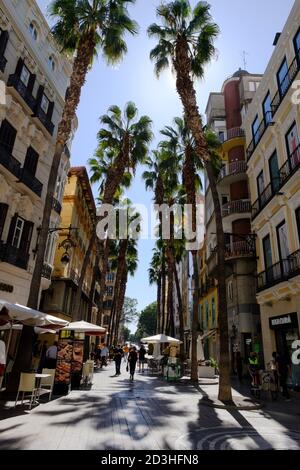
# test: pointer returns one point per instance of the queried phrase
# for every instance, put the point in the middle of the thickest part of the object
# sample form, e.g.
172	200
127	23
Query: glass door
292	143
283	247
283	78
274	173
267	109
268	258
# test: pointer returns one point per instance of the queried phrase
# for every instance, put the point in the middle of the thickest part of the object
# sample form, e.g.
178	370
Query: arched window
33	31
51	63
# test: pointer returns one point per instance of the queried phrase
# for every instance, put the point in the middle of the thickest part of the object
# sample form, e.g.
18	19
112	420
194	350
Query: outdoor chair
153	366
47	383
27	385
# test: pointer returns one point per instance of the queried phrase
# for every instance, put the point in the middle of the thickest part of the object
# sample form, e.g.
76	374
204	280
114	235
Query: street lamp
66	244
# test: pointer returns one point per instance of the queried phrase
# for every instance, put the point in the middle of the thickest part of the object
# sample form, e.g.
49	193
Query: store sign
284	321
6	287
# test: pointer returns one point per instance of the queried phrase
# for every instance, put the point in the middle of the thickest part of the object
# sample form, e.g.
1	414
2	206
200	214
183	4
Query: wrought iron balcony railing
8	161
31	182
282	271
236	207
290	166
56	205
263	126
285	84
47	271
42	116
232	133
12	255
15	81
233	168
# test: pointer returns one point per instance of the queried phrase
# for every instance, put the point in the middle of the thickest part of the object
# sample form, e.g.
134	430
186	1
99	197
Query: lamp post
66	244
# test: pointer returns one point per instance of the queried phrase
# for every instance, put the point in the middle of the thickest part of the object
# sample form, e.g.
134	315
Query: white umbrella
84	326
17	313
161	338
37	329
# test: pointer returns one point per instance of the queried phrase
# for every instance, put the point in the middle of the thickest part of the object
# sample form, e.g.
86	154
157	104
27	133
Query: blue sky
246	25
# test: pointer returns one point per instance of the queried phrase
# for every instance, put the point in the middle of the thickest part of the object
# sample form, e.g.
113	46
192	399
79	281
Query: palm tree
186	42
82	28
122	144
155	277
181	142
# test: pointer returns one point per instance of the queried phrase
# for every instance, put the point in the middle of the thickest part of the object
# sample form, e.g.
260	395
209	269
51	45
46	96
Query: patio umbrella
161	338
84	327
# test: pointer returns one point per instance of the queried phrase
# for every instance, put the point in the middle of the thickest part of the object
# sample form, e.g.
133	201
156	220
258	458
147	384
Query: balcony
31	181
12	255
290	166
8	161
42	116
47	271
3	62
232	169
233	250
56	205
74	276
282	271
236	207
233	133
15	82
263	126
286	84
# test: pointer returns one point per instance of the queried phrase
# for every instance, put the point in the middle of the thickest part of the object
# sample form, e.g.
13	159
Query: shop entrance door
284	341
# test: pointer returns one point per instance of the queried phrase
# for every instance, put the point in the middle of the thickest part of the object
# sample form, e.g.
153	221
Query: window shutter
39	95
31	82
12	229
26	237
3	42
50	110
31	161
3	213
19	67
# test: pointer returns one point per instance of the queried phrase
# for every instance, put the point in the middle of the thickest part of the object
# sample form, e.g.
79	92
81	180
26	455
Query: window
213	311
253	86
3	213
51	63
45	104
297	213
18	232
230	290
109	291
292	144
255	130
25	75
31	161
283	245
267	252
274	173
110	277
206	313
297	44
283	78
267	110
3	41
260	185
7	135
33	31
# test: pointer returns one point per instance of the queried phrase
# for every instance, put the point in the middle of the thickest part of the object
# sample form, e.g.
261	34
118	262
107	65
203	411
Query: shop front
285	329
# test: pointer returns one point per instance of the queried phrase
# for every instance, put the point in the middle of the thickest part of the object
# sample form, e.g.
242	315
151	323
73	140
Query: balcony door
267	109
255	130
7	135
260	181
292	144
274	173
268	257
297	45
283	247
31	161
283	78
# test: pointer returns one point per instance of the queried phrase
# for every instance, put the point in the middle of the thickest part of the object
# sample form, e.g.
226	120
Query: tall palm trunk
158	303
80	68
120	302
118	282
76	304
186	91
181	325
163	292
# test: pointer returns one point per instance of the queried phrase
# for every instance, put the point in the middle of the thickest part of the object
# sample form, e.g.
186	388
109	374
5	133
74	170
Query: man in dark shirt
118	353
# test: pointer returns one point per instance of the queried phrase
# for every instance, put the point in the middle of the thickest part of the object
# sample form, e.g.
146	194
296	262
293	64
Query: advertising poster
64	362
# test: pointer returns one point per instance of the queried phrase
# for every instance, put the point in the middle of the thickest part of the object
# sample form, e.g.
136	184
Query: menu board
64	362
77	359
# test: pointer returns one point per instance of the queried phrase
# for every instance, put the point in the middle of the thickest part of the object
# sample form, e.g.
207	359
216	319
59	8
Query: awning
18	326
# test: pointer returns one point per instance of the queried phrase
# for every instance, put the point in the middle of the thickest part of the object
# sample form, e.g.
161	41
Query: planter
206	372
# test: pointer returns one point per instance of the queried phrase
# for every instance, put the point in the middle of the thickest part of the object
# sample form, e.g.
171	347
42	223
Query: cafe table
38	379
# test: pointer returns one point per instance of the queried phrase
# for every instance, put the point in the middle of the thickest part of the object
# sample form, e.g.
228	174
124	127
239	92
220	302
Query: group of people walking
131	357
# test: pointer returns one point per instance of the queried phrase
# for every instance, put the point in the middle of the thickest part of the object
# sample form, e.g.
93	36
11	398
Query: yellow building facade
273	155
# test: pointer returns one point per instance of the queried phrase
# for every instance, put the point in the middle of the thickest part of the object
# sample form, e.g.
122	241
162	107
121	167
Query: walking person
284	369
126	352
132	360
51	355
104	353
118	353
142	353
274	386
